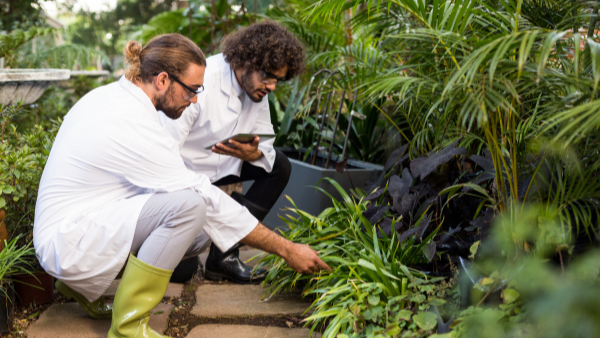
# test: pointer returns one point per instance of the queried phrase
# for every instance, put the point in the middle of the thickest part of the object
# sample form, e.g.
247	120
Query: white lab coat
110	155
219	113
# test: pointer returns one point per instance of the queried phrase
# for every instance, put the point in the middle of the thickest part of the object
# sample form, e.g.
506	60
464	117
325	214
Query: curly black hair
264	46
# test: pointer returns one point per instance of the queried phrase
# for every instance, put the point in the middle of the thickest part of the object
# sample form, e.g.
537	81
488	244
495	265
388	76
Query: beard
166	104
249	87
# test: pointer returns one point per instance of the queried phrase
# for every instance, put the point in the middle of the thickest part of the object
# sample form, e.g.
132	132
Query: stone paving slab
247	331
244	256
173	290
70	320
232	300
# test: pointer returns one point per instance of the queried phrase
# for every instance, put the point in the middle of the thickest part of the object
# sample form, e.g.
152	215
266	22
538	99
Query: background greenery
484	113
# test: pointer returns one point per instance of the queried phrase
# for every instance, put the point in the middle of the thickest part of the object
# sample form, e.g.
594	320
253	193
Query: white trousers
169	229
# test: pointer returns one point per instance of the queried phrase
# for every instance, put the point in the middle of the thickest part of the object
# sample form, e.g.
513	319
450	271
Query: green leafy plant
14	260
14	39
22	160
371	289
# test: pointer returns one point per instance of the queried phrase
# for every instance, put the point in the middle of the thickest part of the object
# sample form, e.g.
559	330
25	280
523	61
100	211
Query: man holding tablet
253	62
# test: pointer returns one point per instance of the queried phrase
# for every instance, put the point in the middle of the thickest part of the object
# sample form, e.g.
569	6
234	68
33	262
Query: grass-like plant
370	290
15	259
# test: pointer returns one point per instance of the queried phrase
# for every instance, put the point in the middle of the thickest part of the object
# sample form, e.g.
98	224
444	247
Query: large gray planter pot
27	84
306	176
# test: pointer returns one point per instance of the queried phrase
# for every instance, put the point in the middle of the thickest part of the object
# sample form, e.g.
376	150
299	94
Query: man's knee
192	206
282	165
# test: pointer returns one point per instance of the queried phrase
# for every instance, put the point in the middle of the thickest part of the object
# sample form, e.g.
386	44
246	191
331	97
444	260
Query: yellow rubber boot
96	309
141	289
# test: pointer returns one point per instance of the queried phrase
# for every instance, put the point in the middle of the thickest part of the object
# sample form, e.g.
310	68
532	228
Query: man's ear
162	81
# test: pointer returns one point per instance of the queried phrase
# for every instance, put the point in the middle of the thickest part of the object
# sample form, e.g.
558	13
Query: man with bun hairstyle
253	62
115	192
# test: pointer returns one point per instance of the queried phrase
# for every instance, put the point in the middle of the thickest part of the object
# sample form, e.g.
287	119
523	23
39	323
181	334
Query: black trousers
267	187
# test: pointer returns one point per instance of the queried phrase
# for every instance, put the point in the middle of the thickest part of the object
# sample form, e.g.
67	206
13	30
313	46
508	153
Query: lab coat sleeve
263	126
157	166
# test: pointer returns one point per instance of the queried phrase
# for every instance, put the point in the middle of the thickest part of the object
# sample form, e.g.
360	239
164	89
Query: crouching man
115	185
253	62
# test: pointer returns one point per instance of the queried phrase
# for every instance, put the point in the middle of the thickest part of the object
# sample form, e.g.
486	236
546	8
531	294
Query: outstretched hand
304	259
300	257
244	151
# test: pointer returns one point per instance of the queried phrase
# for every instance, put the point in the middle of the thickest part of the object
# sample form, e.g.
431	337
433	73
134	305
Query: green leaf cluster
22	160
371	290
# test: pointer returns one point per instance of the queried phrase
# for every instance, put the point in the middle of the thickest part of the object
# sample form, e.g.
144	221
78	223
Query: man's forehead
194	74
281	72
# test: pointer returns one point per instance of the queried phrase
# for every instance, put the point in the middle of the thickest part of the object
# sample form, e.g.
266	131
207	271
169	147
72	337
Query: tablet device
243	138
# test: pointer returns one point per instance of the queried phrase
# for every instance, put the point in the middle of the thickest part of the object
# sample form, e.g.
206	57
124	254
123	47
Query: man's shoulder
216	67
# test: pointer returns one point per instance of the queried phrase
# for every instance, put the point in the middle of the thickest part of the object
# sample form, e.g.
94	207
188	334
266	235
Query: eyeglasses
195	92
270	78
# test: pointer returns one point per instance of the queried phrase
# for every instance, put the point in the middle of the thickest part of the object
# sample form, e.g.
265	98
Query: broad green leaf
373	299
486	281
473	249
510	295
443	335
426	320
404	315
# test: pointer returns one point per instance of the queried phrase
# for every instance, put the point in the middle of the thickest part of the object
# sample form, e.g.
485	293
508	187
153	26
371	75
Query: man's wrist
285	248
260	154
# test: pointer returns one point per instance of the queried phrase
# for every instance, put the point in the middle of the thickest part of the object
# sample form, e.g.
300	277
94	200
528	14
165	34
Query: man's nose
271	86
194	99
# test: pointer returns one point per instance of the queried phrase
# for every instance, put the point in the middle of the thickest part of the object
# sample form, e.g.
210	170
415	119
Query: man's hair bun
132	53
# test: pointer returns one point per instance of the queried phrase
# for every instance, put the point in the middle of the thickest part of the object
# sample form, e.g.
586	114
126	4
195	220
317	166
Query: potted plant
13	261
318	135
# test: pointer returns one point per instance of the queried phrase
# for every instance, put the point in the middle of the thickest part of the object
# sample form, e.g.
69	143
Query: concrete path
247	331
69	320
213	300
232	300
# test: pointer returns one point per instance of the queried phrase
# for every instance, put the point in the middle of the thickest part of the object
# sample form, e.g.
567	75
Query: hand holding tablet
242	138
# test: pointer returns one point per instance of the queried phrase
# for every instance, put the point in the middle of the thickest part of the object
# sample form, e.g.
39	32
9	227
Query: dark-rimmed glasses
195	92
270	78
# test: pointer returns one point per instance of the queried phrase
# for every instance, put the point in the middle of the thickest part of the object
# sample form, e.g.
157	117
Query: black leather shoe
228	266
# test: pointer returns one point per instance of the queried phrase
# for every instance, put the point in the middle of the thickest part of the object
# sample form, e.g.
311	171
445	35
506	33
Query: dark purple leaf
371	211
399	225
404	204
375	194
424	225
483	221
425	165
421	189
485	176
400	185
422	166
484	162
375	218
419	229
386	227
429	251
424	206
395	157
449	234
405	235
399	188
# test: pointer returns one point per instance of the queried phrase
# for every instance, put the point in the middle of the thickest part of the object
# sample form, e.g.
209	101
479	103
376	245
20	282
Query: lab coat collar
227	76
139	94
